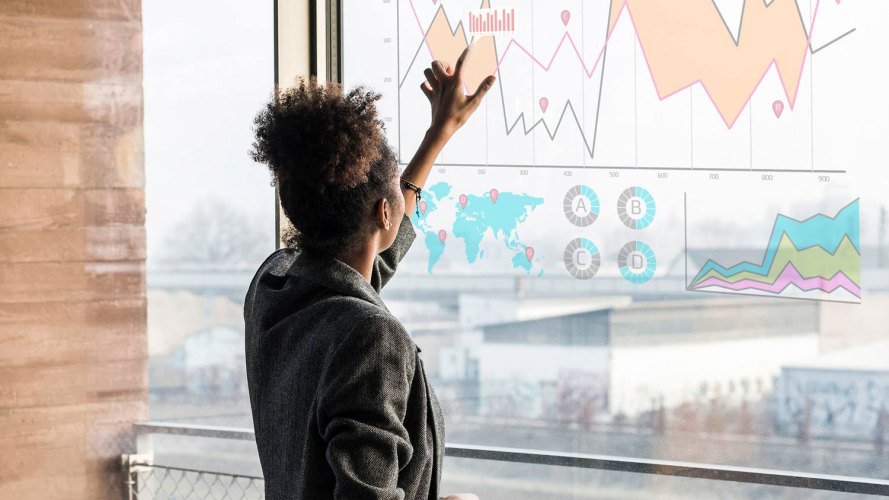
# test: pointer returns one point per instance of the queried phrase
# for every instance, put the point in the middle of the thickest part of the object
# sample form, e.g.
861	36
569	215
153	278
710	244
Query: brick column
73	347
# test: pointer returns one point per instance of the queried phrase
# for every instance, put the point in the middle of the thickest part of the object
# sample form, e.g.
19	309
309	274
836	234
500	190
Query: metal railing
149	481
156	482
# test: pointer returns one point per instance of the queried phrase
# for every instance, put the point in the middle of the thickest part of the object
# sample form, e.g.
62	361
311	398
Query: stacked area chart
819	257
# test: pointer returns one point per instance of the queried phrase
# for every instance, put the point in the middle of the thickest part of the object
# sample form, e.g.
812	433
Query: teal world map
496	216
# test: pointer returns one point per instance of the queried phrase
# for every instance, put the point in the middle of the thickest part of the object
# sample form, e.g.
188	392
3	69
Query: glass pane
226	456
210	209
664	234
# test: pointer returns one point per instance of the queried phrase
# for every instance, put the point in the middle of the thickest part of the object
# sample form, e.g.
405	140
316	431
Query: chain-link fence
153	482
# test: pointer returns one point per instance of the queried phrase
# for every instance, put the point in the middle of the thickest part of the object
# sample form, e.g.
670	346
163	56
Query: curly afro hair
330	160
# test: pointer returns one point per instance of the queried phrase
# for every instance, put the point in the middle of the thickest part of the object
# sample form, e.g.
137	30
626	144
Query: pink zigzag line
625	7
788	276
423	31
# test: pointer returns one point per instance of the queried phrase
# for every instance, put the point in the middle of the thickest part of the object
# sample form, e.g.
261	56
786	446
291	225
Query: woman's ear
383	213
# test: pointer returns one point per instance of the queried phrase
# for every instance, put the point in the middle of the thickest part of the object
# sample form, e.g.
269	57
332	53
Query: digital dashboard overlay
703	146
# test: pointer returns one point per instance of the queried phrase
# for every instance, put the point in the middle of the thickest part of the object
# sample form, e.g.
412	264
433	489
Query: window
210	209
664	235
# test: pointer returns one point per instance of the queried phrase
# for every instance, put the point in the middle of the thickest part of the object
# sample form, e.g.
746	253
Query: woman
341	405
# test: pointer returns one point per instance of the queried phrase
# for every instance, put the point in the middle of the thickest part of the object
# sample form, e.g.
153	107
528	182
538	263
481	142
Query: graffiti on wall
834	403
574	396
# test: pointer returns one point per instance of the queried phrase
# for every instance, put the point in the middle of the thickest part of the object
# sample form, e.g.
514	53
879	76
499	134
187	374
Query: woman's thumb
484	87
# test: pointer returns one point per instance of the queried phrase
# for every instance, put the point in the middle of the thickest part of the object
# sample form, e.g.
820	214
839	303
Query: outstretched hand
451	106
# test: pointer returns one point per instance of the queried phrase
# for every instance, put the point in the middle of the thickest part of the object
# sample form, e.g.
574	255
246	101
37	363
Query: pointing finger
460	61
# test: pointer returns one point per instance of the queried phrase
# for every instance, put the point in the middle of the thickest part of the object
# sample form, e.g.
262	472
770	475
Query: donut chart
636	207
581	205
636	262
582	258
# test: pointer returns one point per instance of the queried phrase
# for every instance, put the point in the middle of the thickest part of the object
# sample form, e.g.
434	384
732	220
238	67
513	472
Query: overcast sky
208	69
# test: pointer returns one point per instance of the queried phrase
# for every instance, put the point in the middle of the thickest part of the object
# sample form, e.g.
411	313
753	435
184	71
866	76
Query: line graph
818	257
437	32
446	42
728	92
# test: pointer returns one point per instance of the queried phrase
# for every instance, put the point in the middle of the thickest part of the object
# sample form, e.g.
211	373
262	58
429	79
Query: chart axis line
615	167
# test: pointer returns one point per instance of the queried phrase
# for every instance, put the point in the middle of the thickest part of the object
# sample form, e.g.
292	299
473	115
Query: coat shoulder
374	322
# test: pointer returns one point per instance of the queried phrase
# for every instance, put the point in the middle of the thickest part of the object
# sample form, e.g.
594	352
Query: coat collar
336	275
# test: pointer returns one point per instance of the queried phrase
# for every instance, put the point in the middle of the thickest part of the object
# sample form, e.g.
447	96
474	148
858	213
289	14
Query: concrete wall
677	372
72	246
848	325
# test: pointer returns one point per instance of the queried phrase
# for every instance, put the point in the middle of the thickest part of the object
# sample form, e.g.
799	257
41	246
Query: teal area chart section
819	230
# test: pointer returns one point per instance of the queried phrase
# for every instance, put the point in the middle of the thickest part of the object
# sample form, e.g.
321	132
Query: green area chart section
810	262
821	253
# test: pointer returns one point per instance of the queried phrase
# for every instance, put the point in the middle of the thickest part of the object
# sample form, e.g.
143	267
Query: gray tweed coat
340	401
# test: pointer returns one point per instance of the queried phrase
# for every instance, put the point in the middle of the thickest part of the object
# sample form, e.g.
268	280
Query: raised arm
387	261
451	108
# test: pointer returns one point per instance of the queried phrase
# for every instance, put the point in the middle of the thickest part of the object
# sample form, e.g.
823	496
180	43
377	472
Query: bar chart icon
491	21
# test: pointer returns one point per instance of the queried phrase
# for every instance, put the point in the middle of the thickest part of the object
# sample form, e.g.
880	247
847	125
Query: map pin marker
423	207
442	235
566	16
544	103
529	252
494	194
463	200
778	108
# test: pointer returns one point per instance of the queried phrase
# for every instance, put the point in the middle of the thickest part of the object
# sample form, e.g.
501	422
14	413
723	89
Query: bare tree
216	234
